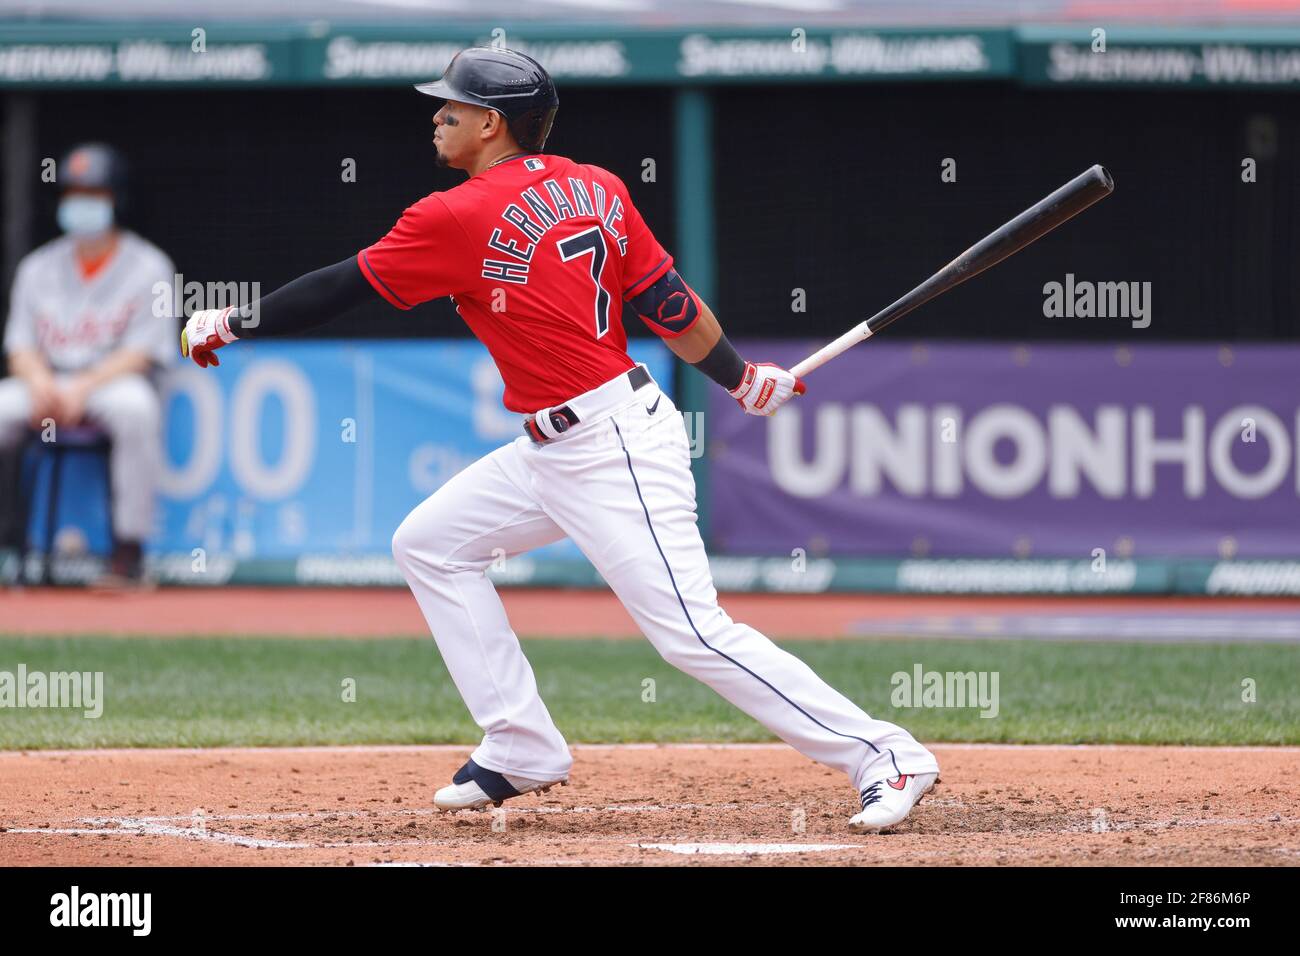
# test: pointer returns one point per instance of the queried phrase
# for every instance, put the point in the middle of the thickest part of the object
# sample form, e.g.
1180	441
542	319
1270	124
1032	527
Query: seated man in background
84	342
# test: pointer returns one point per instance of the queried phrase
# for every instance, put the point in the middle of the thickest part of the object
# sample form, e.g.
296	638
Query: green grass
201	692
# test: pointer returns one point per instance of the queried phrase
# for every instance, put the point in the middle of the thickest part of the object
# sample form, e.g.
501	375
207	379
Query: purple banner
948	449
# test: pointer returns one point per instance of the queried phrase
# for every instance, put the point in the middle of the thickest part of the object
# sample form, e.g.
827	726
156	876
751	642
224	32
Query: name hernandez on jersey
532	215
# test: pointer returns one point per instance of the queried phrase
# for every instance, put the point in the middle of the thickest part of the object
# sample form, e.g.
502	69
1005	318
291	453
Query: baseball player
85	336
542	255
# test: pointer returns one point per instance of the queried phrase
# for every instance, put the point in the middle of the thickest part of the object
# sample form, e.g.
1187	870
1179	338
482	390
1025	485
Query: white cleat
888	802
467	789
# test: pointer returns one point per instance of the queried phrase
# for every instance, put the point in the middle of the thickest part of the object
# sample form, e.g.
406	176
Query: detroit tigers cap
92	166
510	82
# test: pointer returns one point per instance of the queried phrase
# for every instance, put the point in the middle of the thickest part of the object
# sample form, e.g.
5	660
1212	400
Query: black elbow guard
668	306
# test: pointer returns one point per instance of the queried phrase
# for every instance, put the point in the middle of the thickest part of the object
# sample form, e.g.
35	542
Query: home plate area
674	805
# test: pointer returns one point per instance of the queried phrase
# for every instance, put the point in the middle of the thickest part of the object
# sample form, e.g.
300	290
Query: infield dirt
648	805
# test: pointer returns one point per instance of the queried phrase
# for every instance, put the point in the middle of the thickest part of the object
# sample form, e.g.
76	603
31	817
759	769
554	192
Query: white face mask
85	215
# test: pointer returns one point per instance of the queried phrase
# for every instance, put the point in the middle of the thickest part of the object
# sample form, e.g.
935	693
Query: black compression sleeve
723	364
306	302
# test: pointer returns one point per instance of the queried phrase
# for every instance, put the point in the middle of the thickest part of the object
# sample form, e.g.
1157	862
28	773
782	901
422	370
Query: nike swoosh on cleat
902	781
651	408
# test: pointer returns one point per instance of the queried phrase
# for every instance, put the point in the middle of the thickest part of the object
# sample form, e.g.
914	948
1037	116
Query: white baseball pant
619	484
129	410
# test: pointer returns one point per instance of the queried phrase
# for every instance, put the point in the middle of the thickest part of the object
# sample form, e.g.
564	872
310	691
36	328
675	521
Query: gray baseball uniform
75	322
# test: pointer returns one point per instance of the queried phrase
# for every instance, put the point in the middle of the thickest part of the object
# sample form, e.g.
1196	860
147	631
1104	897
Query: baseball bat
1036	221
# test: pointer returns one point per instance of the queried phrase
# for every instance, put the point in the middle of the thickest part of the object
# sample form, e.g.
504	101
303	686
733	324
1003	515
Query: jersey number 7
591	240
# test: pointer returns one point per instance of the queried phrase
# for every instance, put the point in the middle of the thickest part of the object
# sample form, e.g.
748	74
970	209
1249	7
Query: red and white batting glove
765	387
205	332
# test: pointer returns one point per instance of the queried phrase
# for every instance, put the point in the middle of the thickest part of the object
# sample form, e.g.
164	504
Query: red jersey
538	253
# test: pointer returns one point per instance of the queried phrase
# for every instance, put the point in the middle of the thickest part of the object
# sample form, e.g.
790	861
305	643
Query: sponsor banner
1240	578
358	56
654	56
1092	453
763	575
58	54
133	56
108	54
776	575
925	576
843	55
290	449
766	575
1168	58
1030	577
730	573
311	570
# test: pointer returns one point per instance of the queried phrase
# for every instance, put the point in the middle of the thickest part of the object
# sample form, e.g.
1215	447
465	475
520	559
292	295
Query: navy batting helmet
93	166
512	83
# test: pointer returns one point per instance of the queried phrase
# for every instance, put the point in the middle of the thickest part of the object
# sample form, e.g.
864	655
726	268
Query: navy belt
564	418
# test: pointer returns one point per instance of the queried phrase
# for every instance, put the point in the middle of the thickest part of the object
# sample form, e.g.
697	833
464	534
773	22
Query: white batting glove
205	332
765	387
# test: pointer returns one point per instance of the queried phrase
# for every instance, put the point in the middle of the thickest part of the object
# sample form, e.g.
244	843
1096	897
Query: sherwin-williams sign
1158	57
1078	451
110	54
60	54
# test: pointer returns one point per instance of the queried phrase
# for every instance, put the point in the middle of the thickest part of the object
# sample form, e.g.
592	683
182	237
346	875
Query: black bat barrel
1041	218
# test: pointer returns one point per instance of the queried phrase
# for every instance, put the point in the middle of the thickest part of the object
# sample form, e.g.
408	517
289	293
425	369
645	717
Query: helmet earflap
531	130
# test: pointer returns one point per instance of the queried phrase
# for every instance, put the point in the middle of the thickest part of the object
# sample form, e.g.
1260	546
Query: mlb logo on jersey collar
533	164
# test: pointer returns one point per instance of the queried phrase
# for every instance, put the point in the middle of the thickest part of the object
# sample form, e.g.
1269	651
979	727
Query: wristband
221	325
723	364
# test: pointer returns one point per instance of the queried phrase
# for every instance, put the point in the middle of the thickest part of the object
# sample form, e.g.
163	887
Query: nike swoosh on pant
651	408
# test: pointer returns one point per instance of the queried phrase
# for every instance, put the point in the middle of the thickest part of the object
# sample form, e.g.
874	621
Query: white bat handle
827	352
